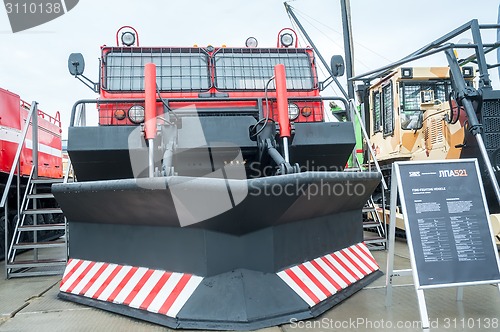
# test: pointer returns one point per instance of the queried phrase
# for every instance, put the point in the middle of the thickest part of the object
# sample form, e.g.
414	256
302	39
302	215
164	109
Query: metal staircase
39	241
375	235
374	229
37	231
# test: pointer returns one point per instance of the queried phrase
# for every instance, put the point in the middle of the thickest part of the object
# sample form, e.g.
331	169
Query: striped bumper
316	280
137	287
176	296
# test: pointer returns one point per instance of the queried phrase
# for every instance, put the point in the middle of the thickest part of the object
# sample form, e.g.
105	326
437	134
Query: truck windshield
250	69
416	93
176	69
188	69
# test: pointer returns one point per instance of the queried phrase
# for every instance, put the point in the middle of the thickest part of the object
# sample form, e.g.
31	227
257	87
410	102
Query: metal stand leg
34	138
6	259
391	243
460	293
422	308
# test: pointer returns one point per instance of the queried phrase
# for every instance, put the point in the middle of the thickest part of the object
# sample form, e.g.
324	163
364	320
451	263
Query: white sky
33	63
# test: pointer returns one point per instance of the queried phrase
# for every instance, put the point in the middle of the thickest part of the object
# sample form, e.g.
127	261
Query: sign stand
447	227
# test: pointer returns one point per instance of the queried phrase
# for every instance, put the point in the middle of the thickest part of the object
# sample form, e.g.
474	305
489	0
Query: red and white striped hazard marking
138	287
316	280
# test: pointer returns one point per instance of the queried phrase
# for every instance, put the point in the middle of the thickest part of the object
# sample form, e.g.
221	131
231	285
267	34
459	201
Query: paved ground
31	304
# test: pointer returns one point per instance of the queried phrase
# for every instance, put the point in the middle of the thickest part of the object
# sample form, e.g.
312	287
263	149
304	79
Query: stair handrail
69	167
11	253
32	110
367	139
24	201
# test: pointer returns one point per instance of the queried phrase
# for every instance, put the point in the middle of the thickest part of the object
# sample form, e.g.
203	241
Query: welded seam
48	311
28	301
49	288
3	320
43	292
15	312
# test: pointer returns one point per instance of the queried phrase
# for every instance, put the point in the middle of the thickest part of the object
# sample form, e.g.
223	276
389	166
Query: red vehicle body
226	87
13	113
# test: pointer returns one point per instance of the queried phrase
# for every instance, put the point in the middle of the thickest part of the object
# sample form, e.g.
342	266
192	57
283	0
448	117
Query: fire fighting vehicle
13	115
212	193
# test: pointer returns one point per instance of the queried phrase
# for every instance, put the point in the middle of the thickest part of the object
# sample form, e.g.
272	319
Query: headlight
120	114
306	111
293	111
136	114
128	38
251	42
286	39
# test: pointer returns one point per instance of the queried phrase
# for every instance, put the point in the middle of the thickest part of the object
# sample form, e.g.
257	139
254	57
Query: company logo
446	173
26	14
414	174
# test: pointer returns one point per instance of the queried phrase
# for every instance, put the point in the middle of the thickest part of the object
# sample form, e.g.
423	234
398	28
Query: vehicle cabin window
377	118
387	110
176	69
411	120
416	93
250	69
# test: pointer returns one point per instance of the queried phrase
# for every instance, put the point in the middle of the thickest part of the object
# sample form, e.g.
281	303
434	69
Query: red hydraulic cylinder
150	100
282	100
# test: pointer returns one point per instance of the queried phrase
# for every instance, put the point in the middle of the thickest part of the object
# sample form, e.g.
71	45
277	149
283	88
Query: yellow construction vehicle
427	113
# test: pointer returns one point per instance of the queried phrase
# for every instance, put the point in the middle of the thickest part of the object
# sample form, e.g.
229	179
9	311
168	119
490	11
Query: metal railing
18	154
257	109
354	111
381	222
15	165
11	253
56	120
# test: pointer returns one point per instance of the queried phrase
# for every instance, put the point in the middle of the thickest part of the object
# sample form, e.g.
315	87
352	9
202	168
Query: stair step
44	195
47	181
38	263
22	274
42	211
376	239
39	245
352	169
370	224
368	209
376	246
42	227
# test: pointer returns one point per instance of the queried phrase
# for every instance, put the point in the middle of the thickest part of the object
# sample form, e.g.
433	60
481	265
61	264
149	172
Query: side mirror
337	66
76	64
